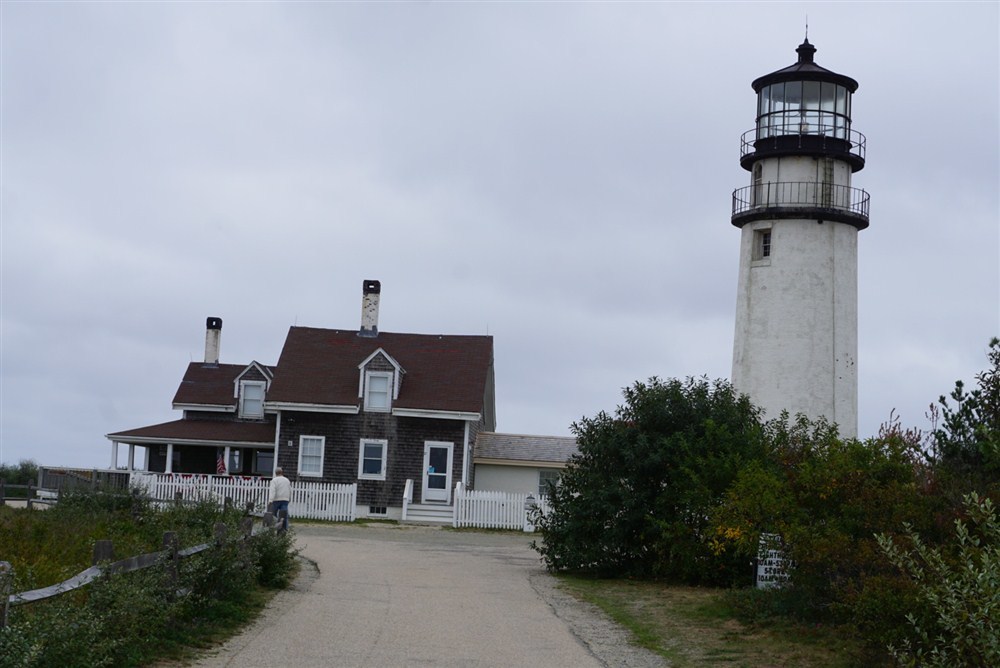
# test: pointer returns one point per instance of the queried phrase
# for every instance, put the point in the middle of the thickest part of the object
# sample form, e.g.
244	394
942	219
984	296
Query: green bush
25	472
636	499
965	443
827	498
960	585
275	556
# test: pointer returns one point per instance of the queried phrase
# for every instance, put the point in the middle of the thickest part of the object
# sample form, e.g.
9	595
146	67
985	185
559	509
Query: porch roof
201	432
524	448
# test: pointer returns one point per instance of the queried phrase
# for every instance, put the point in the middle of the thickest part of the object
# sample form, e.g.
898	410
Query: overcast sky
557	175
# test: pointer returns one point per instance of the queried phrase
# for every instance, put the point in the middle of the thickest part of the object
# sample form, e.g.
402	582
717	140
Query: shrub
275	557
636	499
23	473
961	588
965	444
124	619
827	498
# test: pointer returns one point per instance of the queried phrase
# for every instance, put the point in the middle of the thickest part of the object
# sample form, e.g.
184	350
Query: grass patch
691	626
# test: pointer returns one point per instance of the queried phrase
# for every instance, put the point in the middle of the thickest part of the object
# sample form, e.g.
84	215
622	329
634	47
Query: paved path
382	595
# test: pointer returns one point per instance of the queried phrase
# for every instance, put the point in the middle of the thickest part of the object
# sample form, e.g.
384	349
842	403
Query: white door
437	472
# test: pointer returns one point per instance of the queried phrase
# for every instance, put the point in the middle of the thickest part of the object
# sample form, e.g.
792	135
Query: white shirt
281	489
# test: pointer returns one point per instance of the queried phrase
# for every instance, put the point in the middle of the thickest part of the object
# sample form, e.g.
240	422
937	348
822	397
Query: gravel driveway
387	595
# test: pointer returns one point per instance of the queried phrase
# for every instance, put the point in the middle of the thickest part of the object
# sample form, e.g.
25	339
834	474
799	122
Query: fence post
104	550
529	506
220	533
135	508
6	581
170	545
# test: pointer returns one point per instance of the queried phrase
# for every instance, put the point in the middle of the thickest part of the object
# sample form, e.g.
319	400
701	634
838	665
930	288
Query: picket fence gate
310	500
495	510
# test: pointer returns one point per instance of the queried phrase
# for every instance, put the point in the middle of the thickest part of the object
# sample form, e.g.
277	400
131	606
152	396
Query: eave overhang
436	414
519	462
274	406
159	440
208	408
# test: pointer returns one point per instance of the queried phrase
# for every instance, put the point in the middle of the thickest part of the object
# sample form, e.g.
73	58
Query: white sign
772	565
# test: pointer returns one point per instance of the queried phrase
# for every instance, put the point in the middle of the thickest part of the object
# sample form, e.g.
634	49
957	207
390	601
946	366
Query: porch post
169	468
466	456
277	440
131	457
225	459
114	455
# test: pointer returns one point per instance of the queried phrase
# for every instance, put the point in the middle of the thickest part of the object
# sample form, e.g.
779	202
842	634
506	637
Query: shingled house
225	427
341	406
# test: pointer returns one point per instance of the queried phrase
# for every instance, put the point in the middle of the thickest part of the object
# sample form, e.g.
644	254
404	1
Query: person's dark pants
278	507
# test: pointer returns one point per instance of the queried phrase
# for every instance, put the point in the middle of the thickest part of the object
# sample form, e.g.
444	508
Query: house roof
211	384
224	432
443	373
524	448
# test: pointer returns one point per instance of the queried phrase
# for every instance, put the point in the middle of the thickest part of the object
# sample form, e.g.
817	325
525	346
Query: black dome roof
804	70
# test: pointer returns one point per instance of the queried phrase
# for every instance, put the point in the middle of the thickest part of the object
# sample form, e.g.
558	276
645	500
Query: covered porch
210	447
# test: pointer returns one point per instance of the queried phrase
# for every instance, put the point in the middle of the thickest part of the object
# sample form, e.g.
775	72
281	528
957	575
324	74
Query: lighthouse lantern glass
804	108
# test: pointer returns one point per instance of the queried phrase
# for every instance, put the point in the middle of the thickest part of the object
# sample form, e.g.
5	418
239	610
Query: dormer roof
253	371
397	371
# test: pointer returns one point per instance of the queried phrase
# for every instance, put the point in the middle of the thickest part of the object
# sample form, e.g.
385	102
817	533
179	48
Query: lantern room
804	109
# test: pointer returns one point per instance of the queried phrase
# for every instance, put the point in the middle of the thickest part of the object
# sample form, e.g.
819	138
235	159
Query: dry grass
695	627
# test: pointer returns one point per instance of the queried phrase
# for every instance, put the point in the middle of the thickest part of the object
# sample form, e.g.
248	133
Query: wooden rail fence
170	555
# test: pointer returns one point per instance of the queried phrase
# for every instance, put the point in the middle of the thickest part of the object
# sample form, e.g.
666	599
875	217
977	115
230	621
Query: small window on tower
762	244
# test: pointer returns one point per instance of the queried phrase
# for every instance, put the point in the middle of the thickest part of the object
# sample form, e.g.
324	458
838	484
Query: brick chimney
213	338
369	308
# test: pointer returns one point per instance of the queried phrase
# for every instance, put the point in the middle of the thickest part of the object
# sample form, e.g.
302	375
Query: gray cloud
557	175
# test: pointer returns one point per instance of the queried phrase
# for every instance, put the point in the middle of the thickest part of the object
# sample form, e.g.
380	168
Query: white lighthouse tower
796	343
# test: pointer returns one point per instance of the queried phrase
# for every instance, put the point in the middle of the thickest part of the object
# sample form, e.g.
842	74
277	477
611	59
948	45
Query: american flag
220	466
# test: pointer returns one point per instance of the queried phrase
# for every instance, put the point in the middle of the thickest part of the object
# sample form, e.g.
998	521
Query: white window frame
763	245
388	391
244	384
322	453
543	488
361	458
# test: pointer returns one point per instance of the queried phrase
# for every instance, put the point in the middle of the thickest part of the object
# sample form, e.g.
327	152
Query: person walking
280	495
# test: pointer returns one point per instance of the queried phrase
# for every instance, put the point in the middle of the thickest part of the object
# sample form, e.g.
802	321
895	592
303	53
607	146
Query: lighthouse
796	342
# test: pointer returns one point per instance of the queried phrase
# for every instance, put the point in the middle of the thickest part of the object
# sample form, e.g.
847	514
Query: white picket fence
494	510
312	500
324	501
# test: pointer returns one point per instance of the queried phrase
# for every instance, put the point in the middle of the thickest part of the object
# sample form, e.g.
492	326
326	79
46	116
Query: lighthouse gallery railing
808	194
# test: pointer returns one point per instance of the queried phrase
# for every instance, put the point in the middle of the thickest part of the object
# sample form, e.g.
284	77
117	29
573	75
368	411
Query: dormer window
249	389
378	391
252	399
379	377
